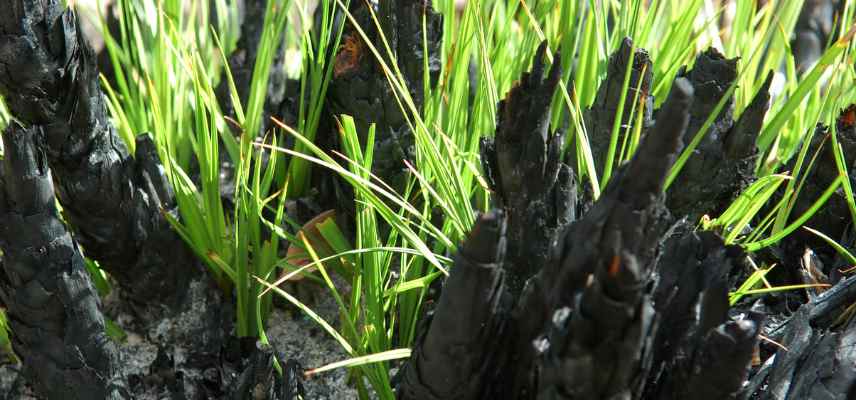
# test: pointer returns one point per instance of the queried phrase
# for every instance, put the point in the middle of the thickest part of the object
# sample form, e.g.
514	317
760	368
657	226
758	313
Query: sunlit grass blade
841	250
808	83
742	210
776	237
388	355
309	313
736	296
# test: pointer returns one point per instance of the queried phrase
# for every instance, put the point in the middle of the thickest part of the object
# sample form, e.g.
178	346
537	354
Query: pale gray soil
292	334
301	338
12	388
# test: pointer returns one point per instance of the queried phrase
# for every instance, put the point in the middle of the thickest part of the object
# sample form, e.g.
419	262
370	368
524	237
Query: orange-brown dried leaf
298	256
848	117
349	56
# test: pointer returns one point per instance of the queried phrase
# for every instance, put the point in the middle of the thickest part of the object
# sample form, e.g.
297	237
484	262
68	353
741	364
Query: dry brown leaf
297	256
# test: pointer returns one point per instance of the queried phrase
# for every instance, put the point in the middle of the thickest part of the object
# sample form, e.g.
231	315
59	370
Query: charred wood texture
260	380
698	351
113	201
834	218
817	360
360	88
810	354
723	164
53	309
600	118
522	163
596	318
455	358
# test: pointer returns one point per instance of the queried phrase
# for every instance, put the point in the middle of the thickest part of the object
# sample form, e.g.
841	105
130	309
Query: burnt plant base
240	369
624	301
627	301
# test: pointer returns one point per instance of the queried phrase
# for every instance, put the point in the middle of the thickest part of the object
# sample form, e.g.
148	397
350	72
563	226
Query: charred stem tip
680	98
621	57
540	61
740	331
485	244
626	45
762	97
740	141
650	166
764	92
540	64
714	66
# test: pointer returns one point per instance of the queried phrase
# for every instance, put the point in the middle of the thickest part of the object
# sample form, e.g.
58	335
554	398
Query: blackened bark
54	311
620	306
740	140
260	380
818	360
360	88
834	218
711	77
717	367
113	201
723	164
630	209
453	359
524	168
600	118
598	279
695	339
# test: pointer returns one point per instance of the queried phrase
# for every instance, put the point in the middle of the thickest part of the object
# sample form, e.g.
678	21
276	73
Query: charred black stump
359	86
115	203
455	357
54	311
600	118
723	163
594	318
522	164
699	352
623	302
